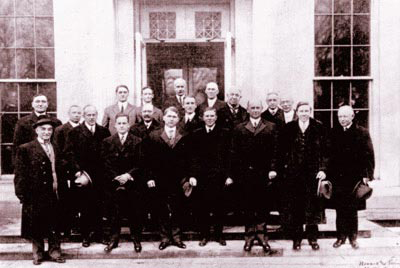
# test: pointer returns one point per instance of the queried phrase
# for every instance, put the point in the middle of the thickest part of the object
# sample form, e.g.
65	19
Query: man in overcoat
254	165
273	113
36	186
165	169
212	99
177	100
304	159
147	99
351	161
122	106
121	154
24	131
232	114
209	174
147	125
190	120
83	154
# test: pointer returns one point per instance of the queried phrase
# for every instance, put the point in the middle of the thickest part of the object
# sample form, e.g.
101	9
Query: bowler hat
43	120
324	189
362	190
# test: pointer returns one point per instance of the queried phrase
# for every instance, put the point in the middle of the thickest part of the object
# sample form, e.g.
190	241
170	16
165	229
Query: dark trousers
126	204
347	222
167	209
297	232
207	217
89	204
255	225
38	246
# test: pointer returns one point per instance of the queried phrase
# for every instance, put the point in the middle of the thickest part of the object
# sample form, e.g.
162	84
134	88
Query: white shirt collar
125	104
169	129
90	127
147	124
189	116
39	114
73	124
210	128
289	116
122	135
273	111
180	99
304	125
257	121
41	141
349	126
211	102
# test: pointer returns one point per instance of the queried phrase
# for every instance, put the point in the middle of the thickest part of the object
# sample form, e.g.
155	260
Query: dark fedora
362	191
44	120
324	189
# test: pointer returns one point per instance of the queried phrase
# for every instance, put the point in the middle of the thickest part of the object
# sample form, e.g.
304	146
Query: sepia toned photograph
200	133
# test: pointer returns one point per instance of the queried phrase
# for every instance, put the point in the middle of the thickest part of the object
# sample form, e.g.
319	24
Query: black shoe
137	246
296	245
163	245
266	247
247	246
58	259
203	242
110	247
354	244
86	242
222	241
314	245
338	243
180	244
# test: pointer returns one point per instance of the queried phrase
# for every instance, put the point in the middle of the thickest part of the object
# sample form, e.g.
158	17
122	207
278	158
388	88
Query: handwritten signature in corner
392	262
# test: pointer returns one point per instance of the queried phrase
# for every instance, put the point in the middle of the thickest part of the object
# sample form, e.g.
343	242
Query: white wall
84	53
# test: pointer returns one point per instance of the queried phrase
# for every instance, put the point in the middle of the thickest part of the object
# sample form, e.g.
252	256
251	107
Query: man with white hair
212	99
351	161
232	114
148	123
83	154
177	100
273	113
289	113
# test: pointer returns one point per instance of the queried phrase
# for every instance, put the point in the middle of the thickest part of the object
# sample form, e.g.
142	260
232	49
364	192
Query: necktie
47	149
255	124
92	130
122	108
122	139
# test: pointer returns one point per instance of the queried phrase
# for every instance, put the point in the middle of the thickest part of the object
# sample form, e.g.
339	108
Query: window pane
8	122
323	61
361	6
361	61
341	93
323	6
26	93
361	118
342	61
323	30
49	90
6	162
25	63
342	6
361	29
322	95
9	97
7	38
359	94
342	30
45	62
44	7
24	7
7	63
44	32
7	7
324	117
24	32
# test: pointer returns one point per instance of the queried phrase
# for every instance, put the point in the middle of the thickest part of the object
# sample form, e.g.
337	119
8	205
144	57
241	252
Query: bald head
90	114
286	103
180	86
345	115
147	112
234	95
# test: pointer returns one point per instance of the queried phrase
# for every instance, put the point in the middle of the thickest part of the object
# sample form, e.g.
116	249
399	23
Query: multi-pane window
162	25
26	65
342	58
208	24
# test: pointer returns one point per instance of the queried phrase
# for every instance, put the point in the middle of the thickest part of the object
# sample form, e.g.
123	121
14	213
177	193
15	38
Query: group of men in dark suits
136	164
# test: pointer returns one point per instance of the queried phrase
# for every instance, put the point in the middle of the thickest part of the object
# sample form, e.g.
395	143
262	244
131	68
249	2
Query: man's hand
365	180
193	181
228	181
321	175
272	175
151	183
124	178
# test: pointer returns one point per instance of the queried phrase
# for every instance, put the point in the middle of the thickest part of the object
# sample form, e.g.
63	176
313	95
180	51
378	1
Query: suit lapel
260	127
164	137
40	150
115	109
250	127
129	108
178	136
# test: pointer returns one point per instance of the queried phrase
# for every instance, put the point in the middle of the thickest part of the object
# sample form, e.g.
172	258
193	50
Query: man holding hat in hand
351	161
36	186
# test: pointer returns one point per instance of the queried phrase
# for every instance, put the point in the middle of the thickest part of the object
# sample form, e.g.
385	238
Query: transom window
208	24
162	25
342	58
